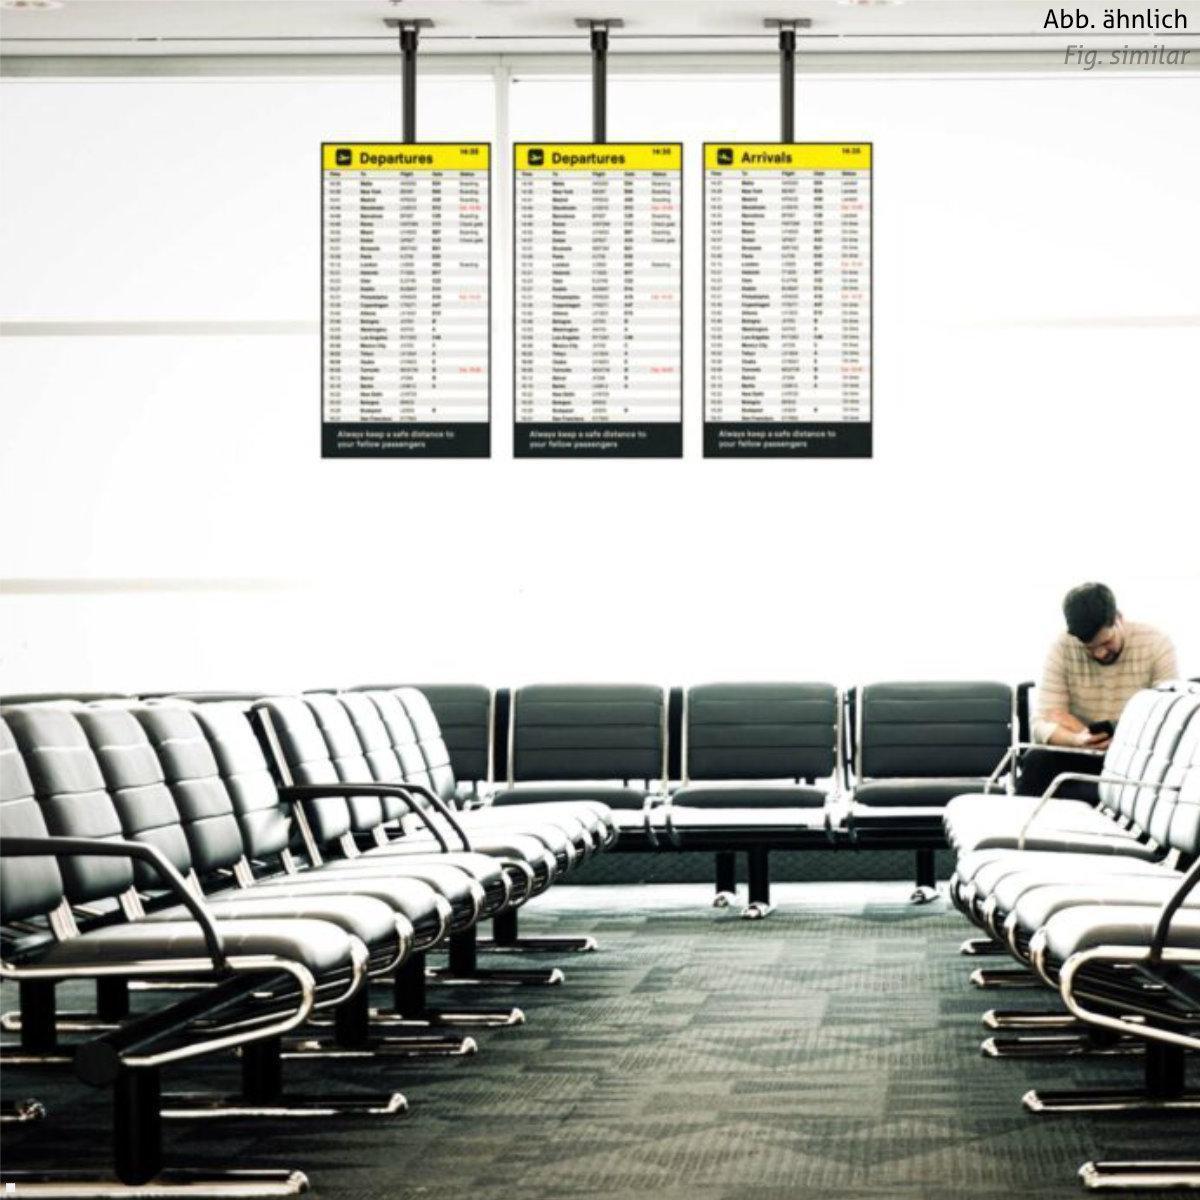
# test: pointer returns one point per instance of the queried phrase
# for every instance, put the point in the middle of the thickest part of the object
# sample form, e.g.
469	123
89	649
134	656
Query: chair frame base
1001	1019
1181	1175
982	947
18	1112
200	1106
1058	1045
419	1046
506	939
1108	1100
168	1185
1004	978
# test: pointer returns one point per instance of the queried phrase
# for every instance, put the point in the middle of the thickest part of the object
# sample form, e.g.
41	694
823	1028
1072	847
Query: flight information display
598	300
405	300
787	300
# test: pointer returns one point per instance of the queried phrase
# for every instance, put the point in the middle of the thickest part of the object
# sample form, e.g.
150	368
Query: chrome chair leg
981	948
17	1112
506	939
1058	1045
1000	1019
996	978
1182	1175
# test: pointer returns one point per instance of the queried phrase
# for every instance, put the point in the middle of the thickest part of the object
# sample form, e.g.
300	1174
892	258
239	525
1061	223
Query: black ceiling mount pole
408	51
410	32
787	73
599	83
599	39
787	85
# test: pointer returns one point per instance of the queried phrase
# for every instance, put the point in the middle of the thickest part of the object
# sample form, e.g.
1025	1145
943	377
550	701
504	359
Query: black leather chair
402	741
460	896
1100	905
464	713
916	746
985	835
604	743
314	745
753	753
71	904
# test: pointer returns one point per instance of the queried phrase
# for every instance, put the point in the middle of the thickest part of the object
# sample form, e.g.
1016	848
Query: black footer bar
787	439
598	440
395	439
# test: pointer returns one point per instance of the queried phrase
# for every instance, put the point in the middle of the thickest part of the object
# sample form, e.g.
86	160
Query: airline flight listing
787	300
598	300
406	306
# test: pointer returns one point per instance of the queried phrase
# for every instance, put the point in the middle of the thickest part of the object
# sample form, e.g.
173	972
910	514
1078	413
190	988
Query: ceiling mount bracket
410	33
787	71
599	28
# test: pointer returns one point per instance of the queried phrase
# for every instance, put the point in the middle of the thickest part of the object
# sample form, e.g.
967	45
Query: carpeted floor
830	1051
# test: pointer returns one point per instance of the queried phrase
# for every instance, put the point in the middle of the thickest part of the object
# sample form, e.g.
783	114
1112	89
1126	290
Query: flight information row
597	300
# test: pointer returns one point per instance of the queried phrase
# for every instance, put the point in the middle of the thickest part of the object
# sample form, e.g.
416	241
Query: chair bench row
1099	904
269	862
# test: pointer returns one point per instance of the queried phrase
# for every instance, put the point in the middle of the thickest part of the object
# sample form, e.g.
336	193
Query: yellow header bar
401	156
609	156
797	156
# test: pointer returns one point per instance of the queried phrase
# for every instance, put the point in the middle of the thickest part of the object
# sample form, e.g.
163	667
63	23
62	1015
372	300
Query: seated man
1091	672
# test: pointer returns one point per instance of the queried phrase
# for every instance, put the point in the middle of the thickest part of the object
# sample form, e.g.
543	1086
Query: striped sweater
1074	681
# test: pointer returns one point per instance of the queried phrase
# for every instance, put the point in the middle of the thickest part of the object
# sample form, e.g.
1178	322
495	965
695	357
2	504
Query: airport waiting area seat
254	977
154	849
245	873
914	747
1099	904
588	743
753	754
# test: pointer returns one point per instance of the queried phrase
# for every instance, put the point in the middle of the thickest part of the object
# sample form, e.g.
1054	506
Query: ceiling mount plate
408	22
788	22
599	23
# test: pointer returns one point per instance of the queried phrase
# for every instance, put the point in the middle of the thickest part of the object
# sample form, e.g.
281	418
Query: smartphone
1108	728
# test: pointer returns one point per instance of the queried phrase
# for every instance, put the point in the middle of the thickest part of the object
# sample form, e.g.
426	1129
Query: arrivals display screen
787	300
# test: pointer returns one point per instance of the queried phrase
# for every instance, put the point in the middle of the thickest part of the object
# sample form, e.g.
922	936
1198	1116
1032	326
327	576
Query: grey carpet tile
831	1051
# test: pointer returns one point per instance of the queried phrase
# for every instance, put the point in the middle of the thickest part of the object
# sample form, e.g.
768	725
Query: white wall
1037	323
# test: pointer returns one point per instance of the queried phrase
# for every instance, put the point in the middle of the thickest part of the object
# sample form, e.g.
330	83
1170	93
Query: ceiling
356	27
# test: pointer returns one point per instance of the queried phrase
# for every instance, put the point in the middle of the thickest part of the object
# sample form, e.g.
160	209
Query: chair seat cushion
1083	870
445	877
1038	903
613	795
978	822
412	898
372	921
783	796
318	945
591	815
1084	928
781	820
913	793
553	826
991	867
491	843
497	839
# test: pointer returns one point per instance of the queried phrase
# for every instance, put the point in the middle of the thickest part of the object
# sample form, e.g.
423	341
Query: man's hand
1071	731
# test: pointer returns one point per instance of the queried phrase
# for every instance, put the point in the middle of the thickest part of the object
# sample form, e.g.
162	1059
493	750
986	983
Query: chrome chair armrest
1081	777
443	810
295	792
68	847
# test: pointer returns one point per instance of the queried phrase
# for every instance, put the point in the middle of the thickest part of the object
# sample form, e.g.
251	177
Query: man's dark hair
1089	608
